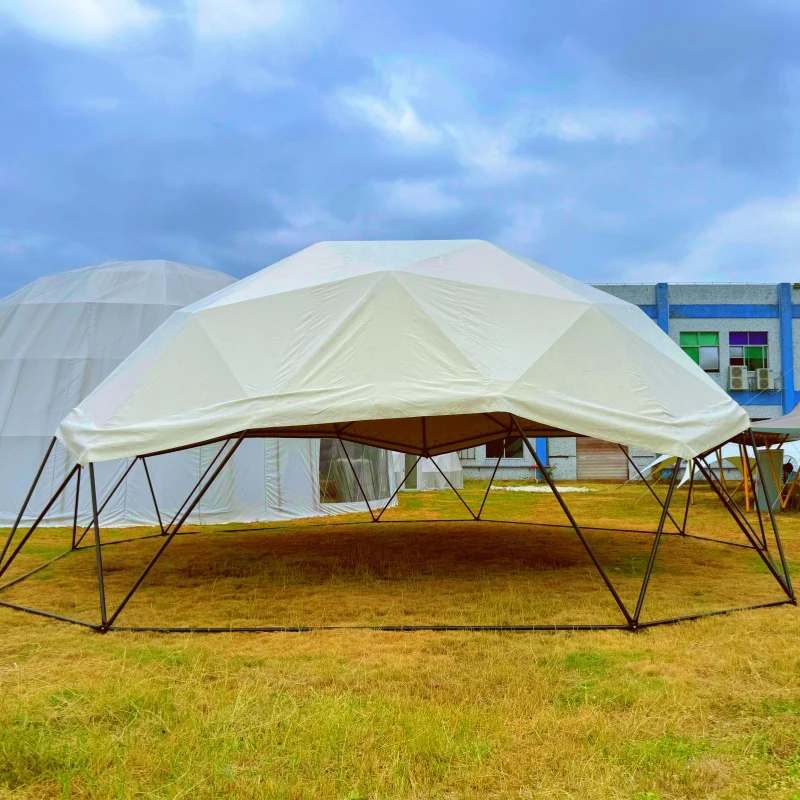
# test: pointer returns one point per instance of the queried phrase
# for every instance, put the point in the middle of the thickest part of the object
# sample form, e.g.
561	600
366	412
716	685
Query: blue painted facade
783	310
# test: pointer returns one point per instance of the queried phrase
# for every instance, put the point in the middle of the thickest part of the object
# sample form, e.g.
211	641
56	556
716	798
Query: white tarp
61	335
379	337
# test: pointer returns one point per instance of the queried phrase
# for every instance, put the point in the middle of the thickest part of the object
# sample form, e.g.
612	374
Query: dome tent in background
60	337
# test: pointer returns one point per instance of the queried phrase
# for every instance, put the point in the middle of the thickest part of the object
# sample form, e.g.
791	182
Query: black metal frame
632	619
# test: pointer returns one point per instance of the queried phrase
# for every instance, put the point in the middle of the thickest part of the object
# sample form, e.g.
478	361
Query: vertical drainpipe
787	345
662	306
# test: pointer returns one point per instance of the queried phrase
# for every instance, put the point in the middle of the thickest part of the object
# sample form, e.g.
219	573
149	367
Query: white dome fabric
60	336
423	347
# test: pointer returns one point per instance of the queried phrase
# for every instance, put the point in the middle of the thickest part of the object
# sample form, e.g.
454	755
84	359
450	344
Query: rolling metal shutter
599	459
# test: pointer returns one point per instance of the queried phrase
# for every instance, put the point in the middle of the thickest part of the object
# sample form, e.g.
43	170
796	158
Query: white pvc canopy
61	335
423	347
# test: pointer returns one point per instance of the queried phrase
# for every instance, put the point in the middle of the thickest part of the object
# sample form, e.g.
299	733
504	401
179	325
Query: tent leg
692	467
756	501
734	509
575	526
399	487
171	535
27	500
705	471
358	480
194	488
152	494
75	515
458	495
778	543
656	542
38	520
108	498
488	488
101	587
652	491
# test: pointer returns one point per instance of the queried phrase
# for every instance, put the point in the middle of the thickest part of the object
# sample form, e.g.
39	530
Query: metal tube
75	516
491	481
704	469
152	493
652	491
194	488
774	527
574	524
464	502
656	542
38	520
358	481
27	500
399	487
109	496
101	588
177	527
749	469
691	466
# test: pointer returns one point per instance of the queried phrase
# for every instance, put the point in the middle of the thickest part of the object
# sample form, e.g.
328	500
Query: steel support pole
488	488
152	494
75	515
195	487
705	470
784	565
749	469
38	520
652	491
358	481
733	507
691	466
463	501
27	500
574	524
101	586
648	572
399	487
171	535
109	496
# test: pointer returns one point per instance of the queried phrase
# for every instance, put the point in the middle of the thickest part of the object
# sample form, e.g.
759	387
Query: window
703	348
467	455
504	448
748	349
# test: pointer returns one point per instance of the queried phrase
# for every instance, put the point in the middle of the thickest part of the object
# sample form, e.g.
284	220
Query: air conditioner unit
764	379
737	379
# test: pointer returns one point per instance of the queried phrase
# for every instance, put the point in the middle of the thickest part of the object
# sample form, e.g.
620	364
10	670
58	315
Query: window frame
697	348
738	355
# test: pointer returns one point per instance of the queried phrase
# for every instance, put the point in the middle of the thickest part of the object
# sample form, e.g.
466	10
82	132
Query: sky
614	140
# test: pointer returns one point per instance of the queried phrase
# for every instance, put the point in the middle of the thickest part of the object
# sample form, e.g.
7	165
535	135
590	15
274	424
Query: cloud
589	125
215	19
756	242
417	198
82	22
390	109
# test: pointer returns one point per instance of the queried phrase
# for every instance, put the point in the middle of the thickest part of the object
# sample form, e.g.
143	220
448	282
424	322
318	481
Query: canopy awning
423	347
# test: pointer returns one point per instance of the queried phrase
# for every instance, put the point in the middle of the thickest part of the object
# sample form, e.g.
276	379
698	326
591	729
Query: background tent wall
62	335
425	475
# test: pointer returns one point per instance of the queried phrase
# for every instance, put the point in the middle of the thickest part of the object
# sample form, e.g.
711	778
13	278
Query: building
746	337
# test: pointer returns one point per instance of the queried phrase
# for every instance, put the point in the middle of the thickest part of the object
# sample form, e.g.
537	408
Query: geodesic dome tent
423	348
61	335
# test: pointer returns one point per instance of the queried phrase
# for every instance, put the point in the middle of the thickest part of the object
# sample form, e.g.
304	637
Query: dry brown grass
702	709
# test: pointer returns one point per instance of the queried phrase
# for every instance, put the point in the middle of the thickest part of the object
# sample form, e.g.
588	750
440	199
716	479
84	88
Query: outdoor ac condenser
737	379
764	379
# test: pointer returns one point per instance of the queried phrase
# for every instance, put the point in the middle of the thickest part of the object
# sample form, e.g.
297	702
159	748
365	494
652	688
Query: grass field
701	709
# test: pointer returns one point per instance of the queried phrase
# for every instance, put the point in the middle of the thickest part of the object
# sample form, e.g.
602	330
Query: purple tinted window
737	338
758	337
